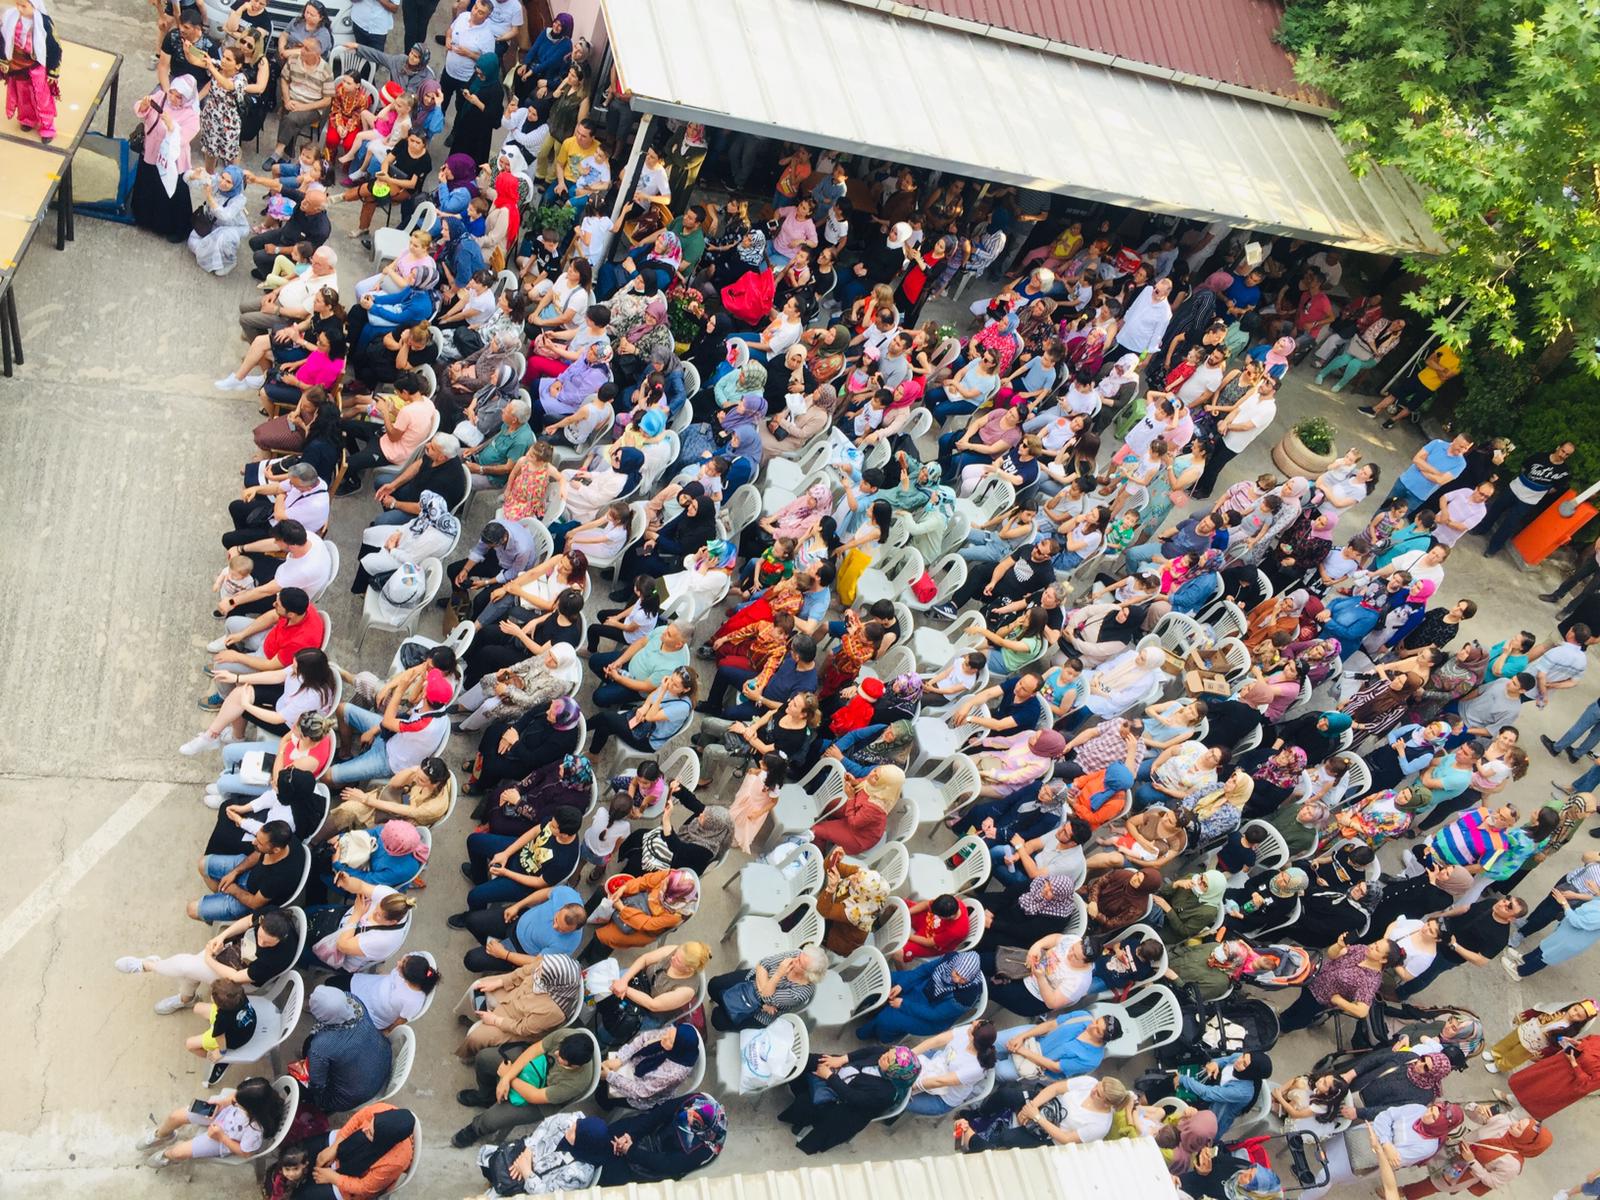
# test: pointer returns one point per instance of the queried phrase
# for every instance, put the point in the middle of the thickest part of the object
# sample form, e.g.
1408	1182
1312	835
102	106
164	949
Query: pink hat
438	689
401	838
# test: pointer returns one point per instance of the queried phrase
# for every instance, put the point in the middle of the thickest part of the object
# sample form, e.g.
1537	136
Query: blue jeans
1586	728
1009	877
926	1105
1401	492
229	783
371	762
216	906
983	548
1588	781
481	847
1140	556
1005	1069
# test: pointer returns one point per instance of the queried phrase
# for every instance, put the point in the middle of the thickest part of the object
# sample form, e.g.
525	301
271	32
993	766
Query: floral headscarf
1270	772
702	1122
902	1070
712	830
908	687
1429	1071
862	896
576	771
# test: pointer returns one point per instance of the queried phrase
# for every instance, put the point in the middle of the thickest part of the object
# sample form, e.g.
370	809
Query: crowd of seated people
864	577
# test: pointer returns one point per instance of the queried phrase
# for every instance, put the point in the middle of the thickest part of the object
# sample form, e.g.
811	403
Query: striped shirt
1466	841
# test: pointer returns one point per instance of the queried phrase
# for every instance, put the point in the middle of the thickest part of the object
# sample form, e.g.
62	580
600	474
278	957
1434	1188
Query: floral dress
220	115
527	489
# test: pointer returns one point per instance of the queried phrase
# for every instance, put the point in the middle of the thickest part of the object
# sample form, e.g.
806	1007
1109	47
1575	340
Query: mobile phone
203	1108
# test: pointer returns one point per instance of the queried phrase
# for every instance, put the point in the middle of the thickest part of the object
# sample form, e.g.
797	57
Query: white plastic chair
894	927
953	786
899	826
1150	1018
1272	852
1249	742
975	926
277	1013
729	1057
892	861
949	574
1180	633
1357	781
851	991
935	648
544	545
403	1044
896	661
956	531
891	577
766	890
298	917
390	242
416	1155
994	495
458	639
962	868
1227	620
774	498
758	937
371	618
1238	660
333	573
797	810
743	507
427	1001
786	473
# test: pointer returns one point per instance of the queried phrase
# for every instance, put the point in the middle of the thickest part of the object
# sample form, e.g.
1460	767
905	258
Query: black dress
474	127
170	216
538	745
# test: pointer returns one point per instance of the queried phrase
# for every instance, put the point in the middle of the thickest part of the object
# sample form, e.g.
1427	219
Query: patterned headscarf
908	687
702	1122
942	982
862	896
576	771
712	830
1062	901
902	1071
559	976
567	713
1429	1071
1294	881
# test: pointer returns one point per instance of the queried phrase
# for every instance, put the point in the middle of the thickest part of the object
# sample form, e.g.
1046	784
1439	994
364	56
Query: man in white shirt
1146	321
1460	511
291	302
1560	666
1249	418
306	564
469	38
505	17
1207	378
1328	262
371	20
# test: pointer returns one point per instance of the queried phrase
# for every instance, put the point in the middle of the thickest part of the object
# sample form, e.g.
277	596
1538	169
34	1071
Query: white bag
167	161
406	587
597	981
253	769
765	1057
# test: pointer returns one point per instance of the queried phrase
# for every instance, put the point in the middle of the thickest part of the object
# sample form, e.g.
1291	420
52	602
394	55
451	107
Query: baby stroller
1273	965
1387	1022
1212	1028
1298	1155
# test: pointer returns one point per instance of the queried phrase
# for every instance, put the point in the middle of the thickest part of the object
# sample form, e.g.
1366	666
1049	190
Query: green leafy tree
1493	106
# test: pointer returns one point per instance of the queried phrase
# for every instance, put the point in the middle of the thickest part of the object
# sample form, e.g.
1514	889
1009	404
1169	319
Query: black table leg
111	104
72	217
5	332
62	190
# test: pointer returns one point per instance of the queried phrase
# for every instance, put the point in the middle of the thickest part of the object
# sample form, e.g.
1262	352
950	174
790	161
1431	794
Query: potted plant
1307	449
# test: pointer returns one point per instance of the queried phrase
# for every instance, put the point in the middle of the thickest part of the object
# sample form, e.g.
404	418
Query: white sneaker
170	1005
251	382
230	383
212	789
1489	1065
1510	968
217	645
130	965
158	1160
213	799
151	1140
199	743
227	736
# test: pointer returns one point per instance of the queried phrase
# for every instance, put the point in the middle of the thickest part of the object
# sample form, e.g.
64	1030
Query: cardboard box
1205	683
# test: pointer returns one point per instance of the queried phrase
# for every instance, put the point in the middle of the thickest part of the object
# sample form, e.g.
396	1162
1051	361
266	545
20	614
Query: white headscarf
8	28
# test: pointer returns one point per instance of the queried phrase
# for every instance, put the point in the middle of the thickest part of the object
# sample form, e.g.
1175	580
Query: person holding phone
237	1122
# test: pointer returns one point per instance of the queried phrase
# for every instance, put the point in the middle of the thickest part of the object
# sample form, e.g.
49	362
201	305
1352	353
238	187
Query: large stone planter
1292	458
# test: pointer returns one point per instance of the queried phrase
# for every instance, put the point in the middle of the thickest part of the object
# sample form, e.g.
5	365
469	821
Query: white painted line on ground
44	899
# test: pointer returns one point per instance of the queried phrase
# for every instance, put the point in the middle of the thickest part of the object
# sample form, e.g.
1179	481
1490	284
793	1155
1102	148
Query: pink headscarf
178	100
1218	282
800	516
401	838
1278	356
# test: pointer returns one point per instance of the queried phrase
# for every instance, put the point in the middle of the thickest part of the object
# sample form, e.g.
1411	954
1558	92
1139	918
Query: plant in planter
558	217
1307	449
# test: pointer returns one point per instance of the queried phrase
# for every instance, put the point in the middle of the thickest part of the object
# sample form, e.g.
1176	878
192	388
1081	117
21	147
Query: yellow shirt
568	154
1431	378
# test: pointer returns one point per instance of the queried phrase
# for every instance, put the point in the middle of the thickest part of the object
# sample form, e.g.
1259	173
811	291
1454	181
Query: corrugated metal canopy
839	75
1126	1169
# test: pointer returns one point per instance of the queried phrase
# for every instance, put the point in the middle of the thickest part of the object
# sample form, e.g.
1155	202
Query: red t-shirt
284	641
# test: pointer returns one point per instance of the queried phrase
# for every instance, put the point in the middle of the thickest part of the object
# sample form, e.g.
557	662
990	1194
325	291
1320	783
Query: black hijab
360	1152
